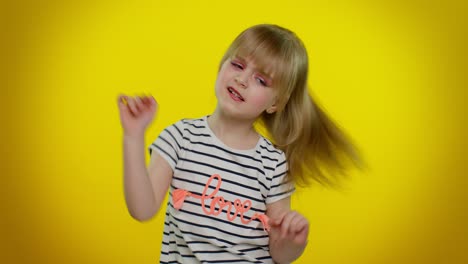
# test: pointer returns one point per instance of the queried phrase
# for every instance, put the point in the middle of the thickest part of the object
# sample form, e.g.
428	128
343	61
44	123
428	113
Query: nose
241	79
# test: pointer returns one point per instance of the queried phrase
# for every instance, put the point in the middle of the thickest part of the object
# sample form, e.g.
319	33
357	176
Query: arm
289	231
144	188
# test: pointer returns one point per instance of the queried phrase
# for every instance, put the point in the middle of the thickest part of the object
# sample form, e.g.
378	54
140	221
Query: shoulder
268	149
188	130
273	158
193	127
186	123
192	122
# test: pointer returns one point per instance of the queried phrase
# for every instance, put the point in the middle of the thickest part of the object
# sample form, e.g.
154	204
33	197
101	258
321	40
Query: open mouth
235	95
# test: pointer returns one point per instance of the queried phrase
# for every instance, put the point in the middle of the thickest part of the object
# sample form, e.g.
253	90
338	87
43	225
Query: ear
273	108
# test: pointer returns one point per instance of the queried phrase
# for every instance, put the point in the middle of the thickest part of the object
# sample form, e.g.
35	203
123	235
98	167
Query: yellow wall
390	73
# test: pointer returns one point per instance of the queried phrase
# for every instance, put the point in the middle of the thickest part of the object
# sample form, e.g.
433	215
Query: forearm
138	191
283	251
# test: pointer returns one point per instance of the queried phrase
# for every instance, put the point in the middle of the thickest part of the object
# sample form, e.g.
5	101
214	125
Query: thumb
122	100
274	221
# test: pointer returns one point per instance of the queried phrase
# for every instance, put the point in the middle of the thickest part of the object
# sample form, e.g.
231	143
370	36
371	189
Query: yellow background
392	73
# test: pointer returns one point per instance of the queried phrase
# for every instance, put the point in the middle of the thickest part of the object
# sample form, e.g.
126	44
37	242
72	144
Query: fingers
286	223
292	225
133	105
122	100
149	101
298	223
136	104
303	232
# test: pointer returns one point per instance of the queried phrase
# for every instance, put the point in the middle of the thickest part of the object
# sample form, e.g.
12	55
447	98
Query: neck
236	133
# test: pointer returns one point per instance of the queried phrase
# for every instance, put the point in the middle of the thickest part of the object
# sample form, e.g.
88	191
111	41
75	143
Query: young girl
229	186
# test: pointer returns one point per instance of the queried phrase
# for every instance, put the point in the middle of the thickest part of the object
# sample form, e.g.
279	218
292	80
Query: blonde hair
315	147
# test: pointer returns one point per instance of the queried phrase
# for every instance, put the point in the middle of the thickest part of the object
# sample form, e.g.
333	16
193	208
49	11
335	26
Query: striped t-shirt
218	177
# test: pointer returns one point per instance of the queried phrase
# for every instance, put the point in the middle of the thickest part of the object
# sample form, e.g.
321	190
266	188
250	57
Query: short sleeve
169	143
281	187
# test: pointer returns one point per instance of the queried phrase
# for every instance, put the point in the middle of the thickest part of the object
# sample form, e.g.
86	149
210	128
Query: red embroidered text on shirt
179	195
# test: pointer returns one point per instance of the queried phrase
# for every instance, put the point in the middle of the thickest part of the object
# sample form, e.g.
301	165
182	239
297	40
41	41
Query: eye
261	81
237	65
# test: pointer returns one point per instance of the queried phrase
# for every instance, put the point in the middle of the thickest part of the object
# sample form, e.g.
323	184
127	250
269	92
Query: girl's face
243	90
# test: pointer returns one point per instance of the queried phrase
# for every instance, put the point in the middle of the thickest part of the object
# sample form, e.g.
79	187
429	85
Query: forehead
267	54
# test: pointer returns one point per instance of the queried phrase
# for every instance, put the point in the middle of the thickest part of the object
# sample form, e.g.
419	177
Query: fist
136	113
291	226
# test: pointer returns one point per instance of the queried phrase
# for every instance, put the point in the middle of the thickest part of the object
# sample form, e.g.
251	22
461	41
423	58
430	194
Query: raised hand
136	113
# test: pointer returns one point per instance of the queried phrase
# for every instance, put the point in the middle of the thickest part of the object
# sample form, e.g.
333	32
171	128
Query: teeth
235	93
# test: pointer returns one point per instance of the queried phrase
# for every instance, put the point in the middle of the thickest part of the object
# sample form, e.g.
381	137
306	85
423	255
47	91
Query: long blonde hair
315	147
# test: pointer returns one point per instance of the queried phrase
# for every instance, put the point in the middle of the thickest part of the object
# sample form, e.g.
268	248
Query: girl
229	186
